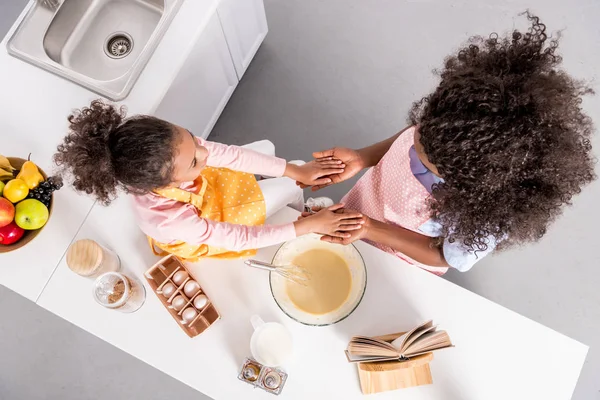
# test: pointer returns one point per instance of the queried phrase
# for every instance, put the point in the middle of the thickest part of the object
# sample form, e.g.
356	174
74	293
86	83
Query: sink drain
118	45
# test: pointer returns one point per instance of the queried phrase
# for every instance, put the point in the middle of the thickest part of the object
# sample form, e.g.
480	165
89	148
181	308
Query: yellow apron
224	196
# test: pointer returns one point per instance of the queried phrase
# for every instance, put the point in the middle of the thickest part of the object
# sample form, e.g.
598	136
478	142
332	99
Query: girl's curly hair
104	152
506	130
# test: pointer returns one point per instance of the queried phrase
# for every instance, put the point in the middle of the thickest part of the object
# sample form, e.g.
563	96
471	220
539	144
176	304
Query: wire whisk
292	273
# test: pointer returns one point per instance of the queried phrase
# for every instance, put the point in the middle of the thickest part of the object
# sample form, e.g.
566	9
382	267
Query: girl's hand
351	159
355	235
314	172
333	221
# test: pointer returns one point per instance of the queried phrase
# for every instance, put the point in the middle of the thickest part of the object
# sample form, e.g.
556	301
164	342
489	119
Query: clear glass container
88	258
117	291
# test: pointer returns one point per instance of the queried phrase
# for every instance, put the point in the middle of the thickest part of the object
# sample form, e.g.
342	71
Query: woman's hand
333	221
351	159
315	172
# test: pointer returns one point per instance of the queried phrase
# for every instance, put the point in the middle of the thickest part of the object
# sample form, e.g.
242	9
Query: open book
397	346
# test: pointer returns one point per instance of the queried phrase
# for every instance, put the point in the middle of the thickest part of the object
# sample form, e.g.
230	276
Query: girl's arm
168	221
243	237
242	159
419	247
246	160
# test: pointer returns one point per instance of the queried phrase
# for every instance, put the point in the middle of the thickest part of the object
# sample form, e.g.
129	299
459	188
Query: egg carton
159	275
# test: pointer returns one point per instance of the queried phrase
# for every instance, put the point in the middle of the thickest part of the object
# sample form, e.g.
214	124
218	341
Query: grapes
45	189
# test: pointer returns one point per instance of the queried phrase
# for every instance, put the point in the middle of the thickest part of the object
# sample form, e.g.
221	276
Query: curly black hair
506	130
105	152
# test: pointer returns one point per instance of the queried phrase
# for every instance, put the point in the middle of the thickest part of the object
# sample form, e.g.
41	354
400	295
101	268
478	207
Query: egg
178	302
189	314
168	290
180	277
191	288
200	301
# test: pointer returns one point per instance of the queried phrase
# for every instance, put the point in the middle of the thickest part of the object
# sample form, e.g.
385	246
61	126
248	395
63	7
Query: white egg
191	288
178	302
200	301
168	290
189	314
180	277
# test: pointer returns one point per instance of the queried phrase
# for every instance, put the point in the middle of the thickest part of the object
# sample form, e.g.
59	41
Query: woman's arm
354	161
371	155
419	247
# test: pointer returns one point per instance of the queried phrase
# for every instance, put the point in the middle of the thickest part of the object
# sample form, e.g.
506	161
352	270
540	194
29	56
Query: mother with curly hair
489	159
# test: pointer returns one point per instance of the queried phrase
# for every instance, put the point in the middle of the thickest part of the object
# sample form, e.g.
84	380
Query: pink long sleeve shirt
167	220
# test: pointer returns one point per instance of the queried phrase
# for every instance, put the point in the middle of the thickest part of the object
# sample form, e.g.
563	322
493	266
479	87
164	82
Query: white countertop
498	355
34	105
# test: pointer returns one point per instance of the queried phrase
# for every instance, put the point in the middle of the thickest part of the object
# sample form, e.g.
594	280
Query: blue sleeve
459	257
456	254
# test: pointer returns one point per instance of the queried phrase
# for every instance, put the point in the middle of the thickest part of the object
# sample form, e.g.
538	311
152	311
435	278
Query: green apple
2	184
31	214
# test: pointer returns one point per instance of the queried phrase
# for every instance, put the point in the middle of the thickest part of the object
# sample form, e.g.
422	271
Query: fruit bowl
28	236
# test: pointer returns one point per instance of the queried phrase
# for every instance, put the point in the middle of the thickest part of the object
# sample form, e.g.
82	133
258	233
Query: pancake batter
329	284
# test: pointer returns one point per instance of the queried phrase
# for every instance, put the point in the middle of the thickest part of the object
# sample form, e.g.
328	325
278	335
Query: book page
365	346
425	351
355	358
399	343
390	337
427	342
415	336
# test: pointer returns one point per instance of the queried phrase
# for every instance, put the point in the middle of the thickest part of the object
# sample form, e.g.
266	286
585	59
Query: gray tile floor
342	72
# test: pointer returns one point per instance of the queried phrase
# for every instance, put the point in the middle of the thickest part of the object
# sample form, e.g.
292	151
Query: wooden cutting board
382	376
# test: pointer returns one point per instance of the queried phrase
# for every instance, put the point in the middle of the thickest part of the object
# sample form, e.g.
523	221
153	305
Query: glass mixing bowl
284	256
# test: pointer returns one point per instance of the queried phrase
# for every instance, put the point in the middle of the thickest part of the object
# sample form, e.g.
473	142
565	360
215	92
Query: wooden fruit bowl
28	236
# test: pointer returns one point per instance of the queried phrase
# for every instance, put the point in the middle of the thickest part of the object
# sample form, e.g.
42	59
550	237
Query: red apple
7	212
10	233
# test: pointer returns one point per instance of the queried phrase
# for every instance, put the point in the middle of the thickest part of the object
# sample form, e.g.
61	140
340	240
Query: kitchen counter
498	355
34	105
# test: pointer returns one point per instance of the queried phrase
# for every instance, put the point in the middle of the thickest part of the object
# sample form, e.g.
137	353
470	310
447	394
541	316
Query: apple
10	234
7	212
31	214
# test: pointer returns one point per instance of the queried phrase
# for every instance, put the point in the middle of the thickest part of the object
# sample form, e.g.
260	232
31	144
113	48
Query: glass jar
87	258
119	292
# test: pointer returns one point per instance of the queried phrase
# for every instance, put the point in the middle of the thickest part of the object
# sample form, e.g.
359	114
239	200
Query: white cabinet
219	58
245	25
204	84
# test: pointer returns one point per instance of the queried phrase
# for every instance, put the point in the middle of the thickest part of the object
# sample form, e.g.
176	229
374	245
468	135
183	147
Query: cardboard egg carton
162	273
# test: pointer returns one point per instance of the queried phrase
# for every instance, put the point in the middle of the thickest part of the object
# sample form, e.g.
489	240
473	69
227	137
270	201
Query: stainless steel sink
102	45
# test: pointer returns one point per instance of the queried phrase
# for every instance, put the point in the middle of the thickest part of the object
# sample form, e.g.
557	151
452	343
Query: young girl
193	198
490	159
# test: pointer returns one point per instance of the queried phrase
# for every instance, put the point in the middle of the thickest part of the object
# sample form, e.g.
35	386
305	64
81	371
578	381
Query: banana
5	164
5	175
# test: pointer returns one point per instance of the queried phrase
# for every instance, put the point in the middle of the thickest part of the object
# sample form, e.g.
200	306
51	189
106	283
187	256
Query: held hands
315	172
348	236
334	222
350	159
